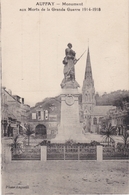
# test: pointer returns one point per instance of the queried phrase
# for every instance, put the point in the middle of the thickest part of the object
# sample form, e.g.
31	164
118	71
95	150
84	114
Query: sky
34	42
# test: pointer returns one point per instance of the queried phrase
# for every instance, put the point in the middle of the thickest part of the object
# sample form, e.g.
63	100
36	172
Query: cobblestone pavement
65	177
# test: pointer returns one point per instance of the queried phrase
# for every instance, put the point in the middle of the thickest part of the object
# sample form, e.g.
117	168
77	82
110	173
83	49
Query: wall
46	113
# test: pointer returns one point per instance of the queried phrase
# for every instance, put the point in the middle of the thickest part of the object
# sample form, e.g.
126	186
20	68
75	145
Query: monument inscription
69	100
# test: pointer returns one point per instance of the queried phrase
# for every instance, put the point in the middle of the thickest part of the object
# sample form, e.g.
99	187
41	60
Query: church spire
88	90
88	71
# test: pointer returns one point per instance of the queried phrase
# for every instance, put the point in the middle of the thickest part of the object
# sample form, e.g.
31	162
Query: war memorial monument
69	127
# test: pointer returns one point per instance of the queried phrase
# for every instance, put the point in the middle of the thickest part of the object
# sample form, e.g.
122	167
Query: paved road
66	177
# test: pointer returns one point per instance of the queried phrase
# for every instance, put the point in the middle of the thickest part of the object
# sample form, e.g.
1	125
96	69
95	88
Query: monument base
66	133
70	127
60	138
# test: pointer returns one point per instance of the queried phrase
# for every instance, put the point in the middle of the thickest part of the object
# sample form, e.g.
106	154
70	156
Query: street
65	177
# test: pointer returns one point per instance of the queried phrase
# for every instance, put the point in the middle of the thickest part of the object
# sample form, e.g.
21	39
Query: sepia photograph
64	97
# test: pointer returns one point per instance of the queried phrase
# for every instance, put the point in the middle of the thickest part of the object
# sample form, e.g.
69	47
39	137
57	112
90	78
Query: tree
125	137
15	141
126	118
105	121
107	134
16	146
28	132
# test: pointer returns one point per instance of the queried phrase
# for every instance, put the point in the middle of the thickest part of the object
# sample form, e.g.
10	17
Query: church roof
88	71
102	110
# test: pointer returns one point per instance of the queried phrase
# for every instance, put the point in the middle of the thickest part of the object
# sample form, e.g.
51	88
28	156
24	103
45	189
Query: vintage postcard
65	97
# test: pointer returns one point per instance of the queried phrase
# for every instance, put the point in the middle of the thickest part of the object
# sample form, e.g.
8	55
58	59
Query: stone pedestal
69	128
8	155
99	153
43	153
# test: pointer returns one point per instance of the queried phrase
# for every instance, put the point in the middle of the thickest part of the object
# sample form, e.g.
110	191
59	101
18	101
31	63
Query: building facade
14	112
45	117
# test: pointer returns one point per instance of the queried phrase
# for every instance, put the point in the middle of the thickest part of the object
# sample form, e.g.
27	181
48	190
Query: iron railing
26	152
71	152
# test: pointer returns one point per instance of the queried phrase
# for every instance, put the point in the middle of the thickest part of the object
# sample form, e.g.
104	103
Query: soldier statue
69	62
69	69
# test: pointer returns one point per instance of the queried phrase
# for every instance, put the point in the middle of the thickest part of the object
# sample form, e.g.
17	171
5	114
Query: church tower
88	90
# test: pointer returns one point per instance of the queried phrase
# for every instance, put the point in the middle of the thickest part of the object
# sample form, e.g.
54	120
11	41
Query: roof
11	115
46	103
102	110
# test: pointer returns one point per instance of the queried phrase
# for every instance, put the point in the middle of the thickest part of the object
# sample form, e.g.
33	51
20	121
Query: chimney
17	97
22	100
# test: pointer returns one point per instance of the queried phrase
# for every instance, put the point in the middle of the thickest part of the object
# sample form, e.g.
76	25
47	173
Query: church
45	115
92	114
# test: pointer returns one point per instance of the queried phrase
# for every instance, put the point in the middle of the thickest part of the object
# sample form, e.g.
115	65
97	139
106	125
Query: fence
68	152
112	153
71	152
27	152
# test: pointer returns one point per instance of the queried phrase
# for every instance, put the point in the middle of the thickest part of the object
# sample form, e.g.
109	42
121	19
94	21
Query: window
100	119
46	114
42	115
39	115
52	132
95	121
86	97
33	115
